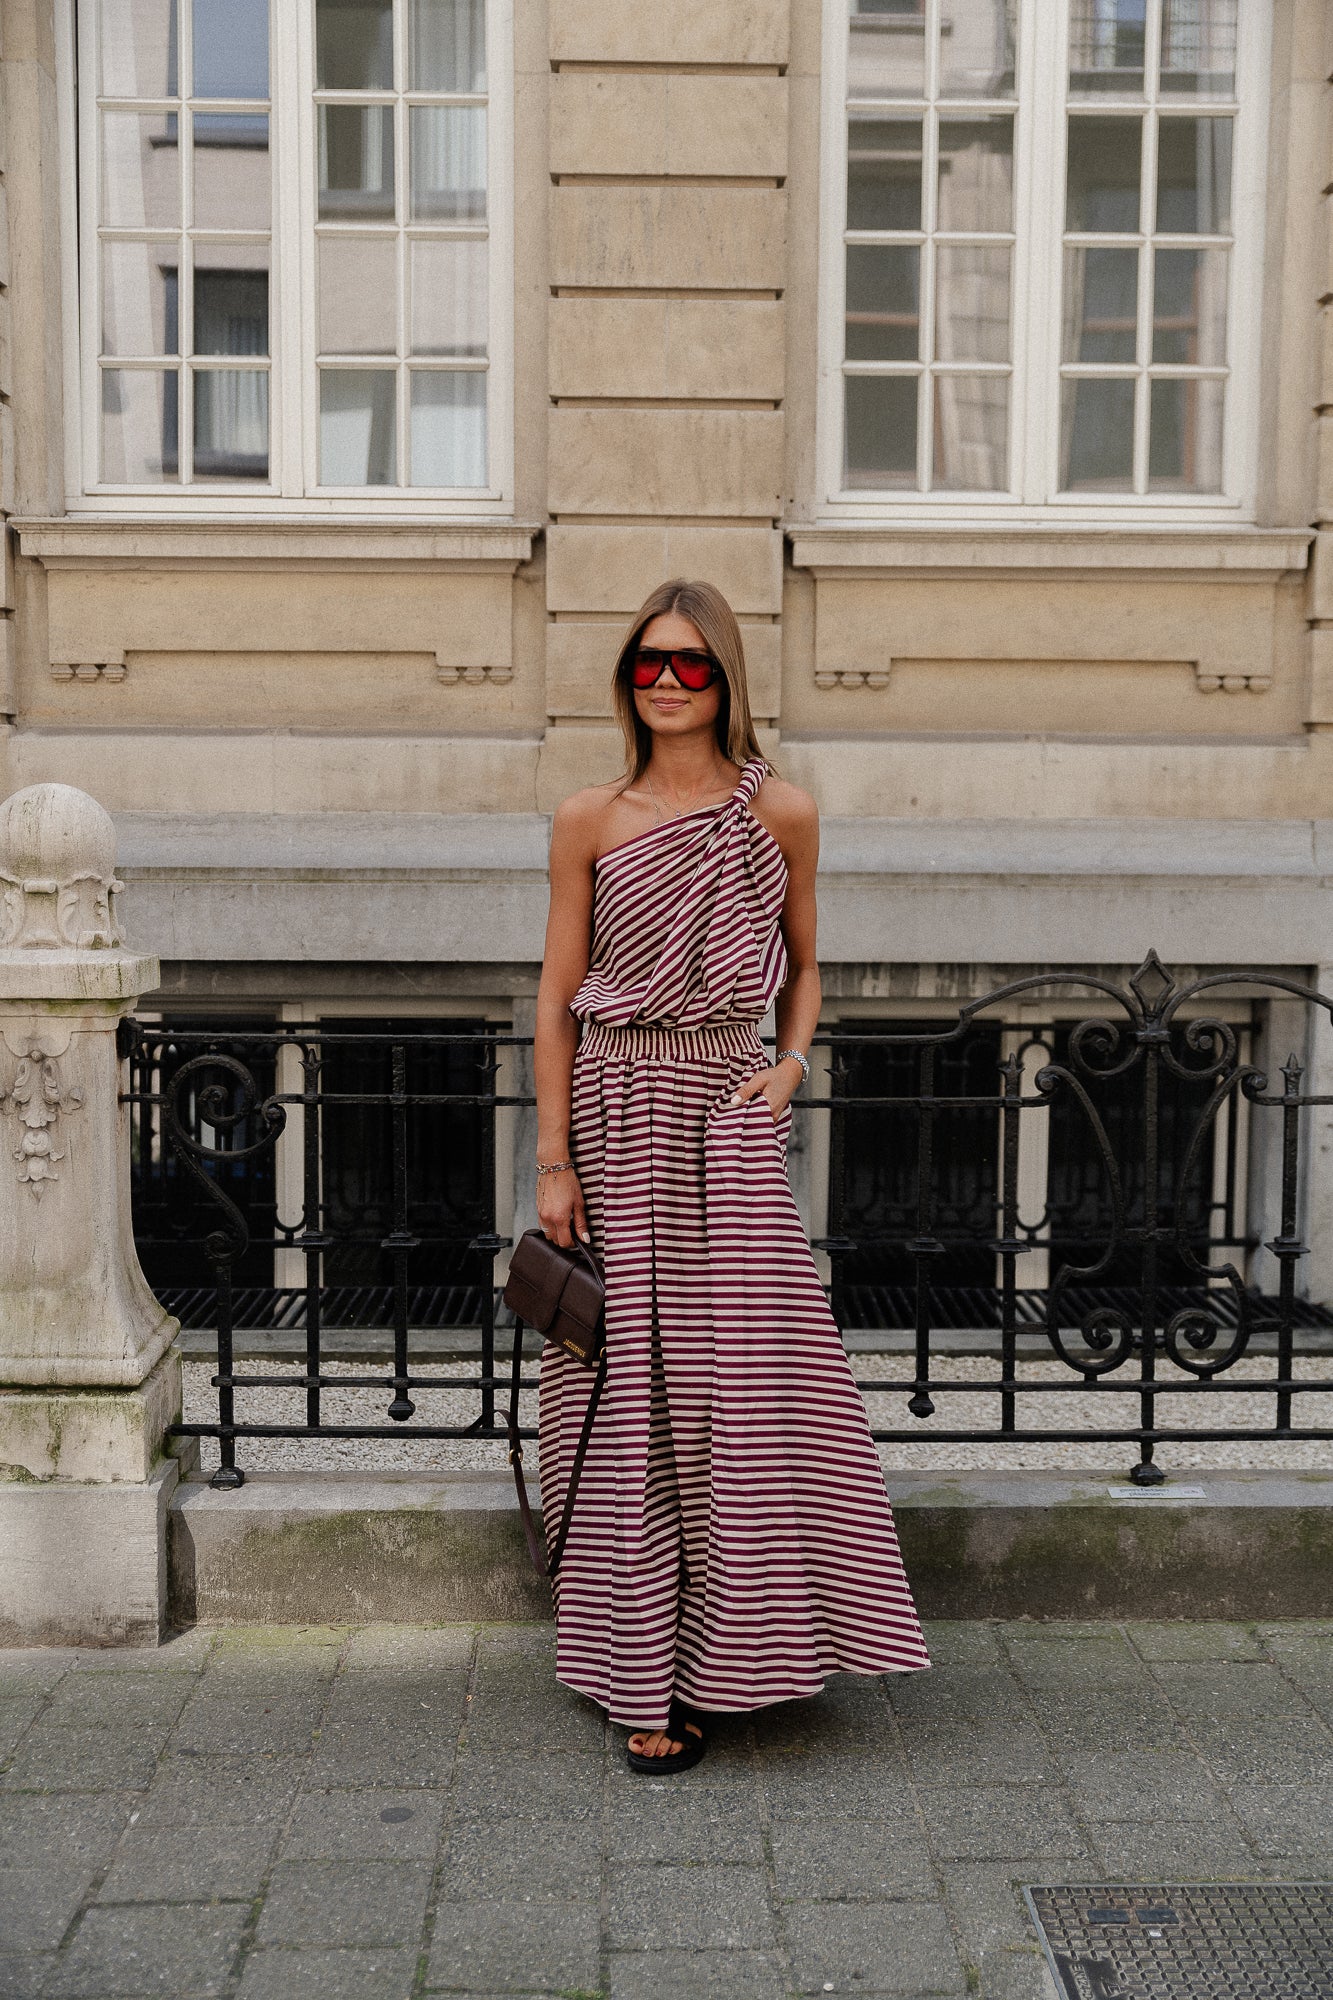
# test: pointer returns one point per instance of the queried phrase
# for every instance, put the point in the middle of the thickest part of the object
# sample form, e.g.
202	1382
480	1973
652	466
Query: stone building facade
364	362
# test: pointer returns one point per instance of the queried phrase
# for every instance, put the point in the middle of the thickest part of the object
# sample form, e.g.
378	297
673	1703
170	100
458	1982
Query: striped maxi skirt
732	1542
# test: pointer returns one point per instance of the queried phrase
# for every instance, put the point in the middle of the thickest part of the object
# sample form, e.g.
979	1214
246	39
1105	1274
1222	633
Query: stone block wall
666	300
668	263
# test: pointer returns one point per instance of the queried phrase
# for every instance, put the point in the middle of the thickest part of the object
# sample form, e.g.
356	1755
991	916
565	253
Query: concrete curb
325	1547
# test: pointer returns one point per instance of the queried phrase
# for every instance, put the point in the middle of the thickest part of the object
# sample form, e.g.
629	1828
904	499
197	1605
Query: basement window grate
1207	1941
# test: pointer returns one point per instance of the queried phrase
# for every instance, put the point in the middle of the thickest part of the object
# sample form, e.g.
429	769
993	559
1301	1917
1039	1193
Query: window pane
449	296
884	174
354	44
1199	47
358	295
448	429
1185	436
230	310
448	162
140	170
1103	174
137	45
1190	307
976	174
971	433
1106	46
230	48
233	176
139	412
1194	176
447	48
356	427
139	299
1097	436
880	447
231	423
356	159
972	302
1101	305
883	302
977	55
886	55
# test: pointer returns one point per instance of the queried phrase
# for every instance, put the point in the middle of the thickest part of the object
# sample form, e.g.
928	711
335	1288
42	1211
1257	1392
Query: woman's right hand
560	1208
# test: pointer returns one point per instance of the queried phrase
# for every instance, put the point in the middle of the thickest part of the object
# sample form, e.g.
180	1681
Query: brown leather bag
561	1294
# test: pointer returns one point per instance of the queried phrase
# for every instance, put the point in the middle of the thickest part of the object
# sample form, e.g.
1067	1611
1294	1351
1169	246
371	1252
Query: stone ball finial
57	872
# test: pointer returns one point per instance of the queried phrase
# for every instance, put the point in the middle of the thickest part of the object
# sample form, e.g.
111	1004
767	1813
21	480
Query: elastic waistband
647	1044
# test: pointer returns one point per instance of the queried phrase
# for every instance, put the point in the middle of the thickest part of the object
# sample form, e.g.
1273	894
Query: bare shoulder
578	821
789	813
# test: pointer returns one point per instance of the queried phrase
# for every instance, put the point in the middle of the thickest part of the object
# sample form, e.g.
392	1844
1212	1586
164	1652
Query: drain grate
1214	1941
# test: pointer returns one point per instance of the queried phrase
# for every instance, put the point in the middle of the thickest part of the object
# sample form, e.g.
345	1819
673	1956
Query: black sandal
692	1746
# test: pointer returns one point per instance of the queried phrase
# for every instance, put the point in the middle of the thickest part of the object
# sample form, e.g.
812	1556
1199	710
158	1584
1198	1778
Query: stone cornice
385	846
105	542
870	548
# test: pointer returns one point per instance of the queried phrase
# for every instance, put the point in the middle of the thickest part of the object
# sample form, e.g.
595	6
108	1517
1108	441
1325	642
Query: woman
731	1541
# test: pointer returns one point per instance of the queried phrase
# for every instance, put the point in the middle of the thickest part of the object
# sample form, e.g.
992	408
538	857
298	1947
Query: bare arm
560	1207
795	825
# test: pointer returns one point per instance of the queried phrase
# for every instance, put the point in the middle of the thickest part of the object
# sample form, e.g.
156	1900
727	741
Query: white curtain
449	162
448	429
448	45
230	413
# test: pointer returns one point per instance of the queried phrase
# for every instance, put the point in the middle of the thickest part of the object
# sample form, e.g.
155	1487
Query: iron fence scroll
304	1180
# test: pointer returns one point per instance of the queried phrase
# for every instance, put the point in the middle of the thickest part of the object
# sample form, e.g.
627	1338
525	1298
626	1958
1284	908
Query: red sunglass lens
692	670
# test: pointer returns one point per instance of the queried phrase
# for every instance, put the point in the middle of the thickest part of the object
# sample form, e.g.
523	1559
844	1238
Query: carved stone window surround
84	542
972	549
860	638
95	629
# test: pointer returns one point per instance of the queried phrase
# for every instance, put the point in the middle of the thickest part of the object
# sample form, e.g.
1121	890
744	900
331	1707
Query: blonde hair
705	607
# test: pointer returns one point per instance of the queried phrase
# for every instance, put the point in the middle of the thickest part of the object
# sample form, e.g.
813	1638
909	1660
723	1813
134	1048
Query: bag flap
530	1302
583	1297
544	1279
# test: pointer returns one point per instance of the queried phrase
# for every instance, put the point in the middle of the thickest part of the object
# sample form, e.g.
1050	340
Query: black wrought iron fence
343	1175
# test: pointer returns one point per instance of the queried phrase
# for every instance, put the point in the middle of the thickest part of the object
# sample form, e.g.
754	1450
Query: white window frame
1039	198
293	384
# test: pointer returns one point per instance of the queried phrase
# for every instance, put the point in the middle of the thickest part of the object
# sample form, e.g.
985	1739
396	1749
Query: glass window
1038	215
184	106
185	242
403	228
929	233
1149	316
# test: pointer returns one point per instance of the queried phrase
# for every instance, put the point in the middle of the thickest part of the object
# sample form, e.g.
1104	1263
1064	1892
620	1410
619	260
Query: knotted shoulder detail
753	774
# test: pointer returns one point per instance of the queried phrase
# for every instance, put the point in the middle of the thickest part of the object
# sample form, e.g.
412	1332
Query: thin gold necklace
657	805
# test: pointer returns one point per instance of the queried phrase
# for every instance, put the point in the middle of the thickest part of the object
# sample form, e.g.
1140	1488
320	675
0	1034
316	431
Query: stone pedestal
89	1378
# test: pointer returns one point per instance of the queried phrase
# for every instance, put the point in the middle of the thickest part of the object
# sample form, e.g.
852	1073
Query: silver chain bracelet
805	1067
554	1167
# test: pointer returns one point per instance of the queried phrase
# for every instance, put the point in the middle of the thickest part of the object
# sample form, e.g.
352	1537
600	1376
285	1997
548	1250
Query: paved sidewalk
399	1811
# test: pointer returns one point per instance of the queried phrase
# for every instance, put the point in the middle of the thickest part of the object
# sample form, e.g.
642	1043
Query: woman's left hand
777	1087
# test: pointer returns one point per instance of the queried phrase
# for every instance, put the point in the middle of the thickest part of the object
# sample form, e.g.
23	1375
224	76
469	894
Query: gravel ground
969	1409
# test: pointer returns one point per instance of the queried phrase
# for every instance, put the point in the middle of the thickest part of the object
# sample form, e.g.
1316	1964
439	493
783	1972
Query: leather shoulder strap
540	1562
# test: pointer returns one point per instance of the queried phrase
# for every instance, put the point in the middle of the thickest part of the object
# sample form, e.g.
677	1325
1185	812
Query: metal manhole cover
1214	1941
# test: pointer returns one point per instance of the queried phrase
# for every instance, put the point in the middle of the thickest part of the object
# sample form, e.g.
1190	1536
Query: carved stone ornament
853	677
39	1099
57	872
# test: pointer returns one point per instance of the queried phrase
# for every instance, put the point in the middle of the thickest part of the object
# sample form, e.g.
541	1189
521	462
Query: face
667	708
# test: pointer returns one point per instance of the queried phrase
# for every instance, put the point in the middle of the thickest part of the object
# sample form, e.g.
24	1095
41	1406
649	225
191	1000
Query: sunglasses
695	671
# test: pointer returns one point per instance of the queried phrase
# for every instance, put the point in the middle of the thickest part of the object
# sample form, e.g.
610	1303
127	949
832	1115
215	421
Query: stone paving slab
391	1813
